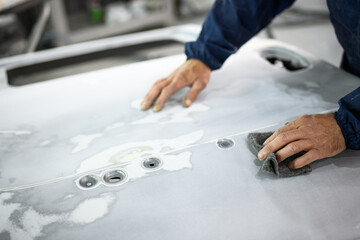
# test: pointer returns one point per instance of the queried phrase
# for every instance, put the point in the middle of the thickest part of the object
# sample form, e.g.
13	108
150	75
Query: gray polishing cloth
270	164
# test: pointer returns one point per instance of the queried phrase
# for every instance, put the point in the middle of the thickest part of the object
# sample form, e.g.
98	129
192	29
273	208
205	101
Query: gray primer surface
270	164
55	132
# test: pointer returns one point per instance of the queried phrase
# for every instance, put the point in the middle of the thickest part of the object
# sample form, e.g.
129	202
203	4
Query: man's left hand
318	135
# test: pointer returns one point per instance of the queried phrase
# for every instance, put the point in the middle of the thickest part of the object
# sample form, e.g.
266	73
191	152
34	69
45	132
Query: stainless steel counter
60	140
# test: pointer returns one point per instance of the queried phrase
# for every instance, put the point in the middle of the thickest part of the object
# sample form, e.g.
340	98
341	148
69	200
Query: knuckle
307	159
166	91
164	94
177	84
284	137
313	155
294	147
268	148
279	156
202	84
292	124
278	132
181	78
305	118
275	135
198	88
156	87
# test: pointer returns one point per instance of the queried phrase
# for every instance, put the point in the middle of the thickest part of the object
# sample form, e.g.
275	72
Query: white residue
173	112
136	104
177	162
91	209
312	84
6	210
69	196
135	170
31	222
15	132
5	196
131	151
44	143
83	141
114	126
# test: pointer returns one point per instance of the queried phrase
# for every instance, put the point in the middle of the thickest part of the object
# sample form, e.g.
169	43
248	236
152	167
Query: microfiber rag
270	164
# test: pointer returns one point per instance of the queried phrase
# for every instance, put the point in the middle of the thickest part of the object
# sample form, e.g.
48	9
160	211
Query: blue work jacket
231	23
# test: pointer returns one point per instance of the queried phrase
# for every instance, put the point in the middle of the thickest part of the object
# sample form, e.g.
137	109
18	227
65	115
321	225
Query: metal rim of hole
152	163
88	182
114	177
225	143
298	61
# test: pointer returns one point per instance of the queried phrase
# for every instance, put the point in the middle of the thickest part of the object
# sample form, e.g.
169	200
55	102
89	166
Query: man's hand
192	73
319	135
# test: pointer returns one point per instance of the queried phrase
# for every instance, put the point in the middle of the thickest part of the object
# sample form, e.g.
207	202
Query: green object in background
96	14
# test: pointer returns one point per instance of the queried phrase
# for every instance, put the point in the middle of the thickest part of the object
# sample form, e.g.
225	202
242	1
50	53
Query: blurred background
34	25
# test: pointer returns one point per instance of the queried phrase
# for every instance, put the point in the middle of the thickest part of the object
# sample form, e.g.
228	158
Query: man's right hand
193	73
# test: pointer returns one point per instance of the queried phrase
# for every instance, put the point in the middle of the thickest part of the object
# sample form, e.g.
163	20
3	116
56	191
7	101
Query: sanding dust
83	141
173	112
32	223
44	143
136	150
114	126
91	209
177	162
15	132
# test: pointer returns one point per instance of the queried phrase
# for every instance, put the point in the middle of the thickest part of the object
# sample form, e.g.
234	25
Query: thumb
193	93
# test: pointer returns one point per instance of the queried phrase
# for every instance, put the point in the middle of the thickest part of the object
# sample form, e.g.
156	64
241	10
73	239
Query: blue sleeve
229	25
348	118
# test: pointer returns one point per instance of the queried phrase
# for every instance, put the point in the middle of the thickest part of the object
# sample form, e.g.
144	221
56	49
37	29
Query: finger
153	93
193	93
280	141
304	160
287	127
164	95
272	137
291	149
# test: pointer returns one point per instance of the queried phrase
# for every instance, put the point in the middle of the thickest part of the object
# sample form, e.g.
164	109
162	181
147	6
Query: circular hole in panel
114	177
88	181
225	143
152	163
286	59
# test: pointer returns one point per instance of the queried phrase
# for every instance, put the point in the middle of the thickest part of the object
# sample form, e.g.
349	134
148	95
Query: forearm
229	25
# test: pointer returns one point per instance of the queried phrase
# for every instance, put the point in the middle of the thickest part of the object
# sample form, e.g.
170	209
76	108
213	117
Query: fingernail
188	102
261	155
156	108
143	104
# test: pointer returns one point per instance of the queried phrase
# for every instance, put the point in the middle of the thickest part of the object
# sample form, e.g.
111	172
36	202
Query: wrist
198	63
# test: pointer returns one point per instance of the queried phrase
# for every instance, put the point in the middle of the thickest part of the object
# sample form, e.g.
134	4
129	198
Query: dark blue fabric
348	118
345	16
231	23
